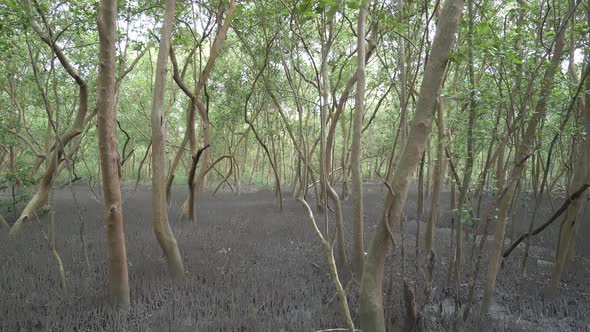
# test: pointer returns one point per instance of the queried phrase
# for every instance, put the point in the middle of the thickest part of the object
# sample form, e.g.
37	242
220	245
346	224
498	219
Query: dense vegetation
311	97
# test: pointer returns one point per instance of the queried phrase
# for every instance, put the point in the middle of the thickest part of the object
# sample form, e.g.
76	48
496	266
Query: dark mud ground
252	268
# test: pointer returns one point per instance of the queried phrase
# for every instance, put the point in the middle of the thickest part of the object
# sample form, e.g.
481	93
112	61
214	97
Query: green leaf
239	9
353	4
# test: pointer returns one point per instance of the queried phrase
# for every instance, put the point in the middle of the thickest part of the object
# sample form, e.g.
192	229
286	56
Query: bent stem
332	263
51	242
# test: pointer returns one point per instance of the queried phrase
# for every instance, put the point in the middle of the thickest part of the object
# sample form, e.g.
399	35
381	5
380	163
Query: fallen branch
554	217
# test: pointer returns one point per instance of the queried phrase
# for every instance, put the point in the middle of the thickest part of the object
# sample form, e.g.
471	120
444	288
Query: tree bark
523	152
109	158
464	207
41	196
158	123
571	221
439	169
203	111
357	176
191	182
371	298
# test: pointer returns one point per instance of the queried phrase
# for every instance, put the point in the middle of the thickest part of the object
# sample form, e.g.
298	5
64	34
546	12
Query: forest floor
251	267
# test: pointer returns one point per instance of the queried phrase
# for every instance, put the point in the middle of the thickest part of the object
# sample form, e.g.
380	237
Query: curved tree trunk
158	122
203	111
41	196
371	297
107	144
191	182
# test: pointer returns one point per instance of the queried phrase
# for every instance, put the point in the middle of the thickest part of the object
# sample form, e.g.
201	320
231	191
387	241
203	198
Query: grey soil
253	268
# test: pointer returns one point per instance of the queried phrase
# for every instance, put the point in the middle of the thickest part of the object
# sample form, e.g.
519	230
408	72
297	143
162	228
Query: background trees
305	96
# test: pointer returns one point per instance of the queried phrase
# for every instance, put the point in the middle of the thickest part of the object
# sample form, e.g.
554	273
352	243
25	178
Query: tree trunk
523	152
464	207
571	221
371	297
41	196
344	159
159	207
179	153
357	177
439	170
109	158
326	190
200	180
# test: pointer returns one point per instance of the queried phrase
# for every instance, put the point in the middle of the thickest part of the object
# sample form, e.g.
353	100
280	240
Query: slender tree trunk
176	160
499	177
161	225
357	178
147	151
571	220
439	170
344	159
371	298
464	207
80	121
326	190
255	162
110	163
523	152
201	180
453	206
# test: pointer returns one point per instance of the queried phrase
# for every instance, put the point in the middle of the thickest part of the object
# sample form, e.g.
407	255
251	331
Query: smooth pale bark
439	169
371	297
523	152
357	125
109	158
80	121
158	123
